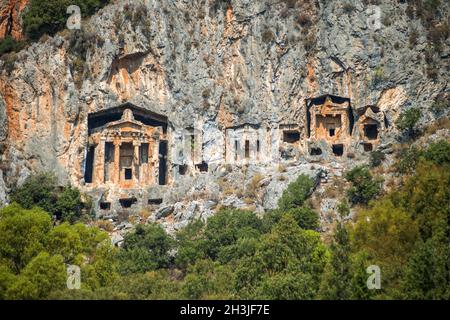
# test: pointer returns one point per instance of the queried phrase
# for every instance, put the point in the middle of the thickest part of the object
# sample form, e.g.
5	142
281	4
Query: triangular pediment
125	124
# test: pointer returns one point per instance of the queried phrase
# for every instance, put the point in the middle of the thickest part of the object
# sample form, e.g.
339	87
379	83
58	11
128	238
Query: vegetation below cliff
238	255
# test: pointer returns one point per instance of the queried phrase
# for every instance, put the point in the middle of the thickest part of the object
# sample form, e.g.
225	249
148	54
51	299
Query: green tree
227	226
425	196
336	282
296	193
69	204
49	16
427	275
33	254
22	234
407	160
41	190
145	249
388	235
306	217
37	190
43	274
376	158
408	120
287	252
207	279
8	44
364	187
438	152
191	244
7	278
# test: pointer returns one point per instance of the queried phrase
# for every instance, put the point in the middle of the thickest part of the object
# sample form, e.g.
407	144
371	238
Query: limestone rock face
218	63
10	18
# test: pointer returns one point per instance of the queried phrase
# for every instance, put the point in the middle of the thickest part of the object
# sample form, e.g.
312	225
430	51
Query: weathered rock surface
10	18
227	64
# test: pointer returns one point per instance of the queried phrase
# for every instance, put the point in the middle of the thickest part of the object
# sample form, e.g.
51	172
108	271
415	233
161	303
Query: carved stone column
116	173
136	162
99	162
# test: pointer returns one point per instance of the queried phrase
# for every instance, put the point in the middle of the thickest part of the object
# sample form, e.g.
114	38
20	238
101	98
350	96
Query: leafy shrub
378	76
9	60
49	16
408	120
34	254
438	152
41	190
37	190
69	204
8	44
376	158
407	160
439	105
296	193
145	249
306	217
364	187
228	226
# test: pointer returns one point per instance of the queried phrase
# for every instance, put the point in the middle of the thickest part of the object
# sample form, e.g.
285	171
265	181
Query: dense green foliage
376	158
293	202
8	44
145	249
364	187
238	255
33	254
49	16
408	120
437	152
296	193
41	190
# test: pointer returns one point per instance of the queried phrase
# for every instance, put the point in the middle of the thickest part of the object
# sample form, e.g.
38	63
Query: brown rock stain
10	20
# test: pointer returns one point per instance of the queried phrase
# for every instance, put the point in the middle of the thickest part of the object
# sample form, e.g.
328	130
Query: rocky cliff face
226	63
10	18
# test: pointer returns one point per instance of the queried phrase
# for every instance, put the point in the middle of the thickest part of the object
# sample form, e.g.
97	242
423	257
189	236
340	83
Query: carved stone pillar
136	162
99	162
116	173
155	161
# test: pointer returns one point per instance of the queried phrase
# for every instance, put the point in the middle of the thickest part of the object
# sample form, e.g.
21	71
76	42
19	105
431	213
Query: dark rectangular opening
155	201
126	155
371	131
316	151
89	165
338	149
128	202
247	149
291	136
143	153
236	149
182	169
192	147
332	132
128	173
105	205
109	152
162	154
202	167
367	147
258	146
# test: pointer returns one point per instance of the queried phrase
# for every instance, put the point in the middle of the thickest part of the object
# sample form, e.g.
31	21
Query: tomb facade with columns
125	152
